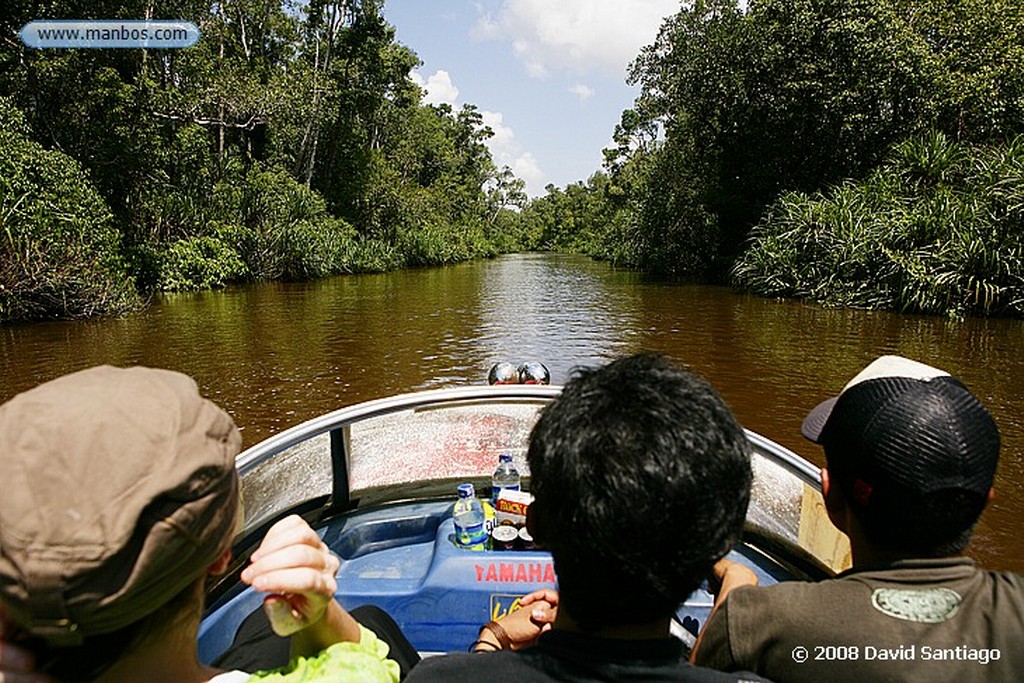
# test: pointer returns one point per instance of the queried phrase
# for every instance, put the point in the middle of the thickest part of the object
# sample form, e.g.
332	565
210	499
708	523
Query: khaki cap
119	491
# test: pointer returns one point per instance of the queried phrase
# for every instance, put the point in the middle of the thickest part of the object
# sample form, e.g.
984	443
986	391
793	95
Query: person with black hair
911	456
641	479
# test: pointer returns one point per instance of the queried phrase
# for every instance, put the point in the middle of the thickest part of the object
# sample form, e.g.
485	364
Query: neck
648	630
865	553
870	555
166	656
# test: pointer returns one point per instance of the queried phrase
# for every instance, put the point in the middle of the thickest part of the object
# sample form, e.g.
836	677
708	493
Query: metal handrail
795	463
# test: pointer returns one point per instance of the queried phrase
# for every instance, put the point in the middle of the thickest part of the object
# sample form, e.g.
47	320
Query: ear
991	496
835	503
220	565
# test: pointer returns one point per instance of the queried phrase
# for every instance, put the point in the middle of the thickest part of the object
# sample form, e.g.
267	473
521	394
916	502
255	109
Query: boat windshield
422	445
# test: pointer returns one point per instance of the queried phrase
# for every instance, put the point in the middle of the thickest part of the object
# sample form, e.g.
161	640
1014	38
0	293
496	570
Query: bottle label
495	490
472	537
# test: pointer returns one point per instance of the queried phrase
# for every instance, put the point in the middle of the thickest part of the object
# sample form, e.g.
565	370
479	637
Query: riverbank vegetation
289	142
938	228
858	152
855	152
58	245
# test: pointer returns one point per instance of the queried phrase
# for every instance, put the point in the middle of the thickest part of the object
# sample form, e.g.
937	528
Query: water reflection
543	307
276	354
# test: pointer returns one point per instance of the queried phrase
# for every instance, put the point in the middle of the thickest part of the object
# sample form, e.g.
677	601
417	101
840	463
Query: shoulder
753	616
532	665
1007	580
1007	591
492	666
783	596
794	607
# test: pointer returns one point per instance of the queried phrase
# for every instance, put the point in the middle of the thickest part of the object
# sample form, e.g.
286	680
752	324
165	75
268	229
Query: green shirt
365	661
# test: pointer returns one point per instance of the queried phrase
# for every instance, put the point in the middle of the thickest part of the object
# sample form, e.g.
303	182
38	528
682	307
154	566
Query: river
279	353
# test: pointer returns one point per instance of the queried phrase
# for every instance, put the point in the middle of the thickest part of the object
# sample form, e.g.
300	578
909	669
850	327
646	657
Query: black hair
641	477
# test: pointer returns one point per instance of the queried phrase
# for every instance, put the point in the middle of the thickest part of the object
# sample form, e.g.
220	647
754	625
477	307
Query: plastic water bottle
505	477
468	514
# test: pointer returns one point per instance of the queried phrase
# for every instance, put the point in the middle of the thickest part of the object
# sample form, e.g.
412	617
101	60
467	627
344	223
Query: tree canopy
289	142
739	107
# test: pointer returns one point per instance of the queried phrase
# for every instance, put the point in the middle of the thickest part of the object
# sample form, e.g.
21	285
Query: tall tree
799	94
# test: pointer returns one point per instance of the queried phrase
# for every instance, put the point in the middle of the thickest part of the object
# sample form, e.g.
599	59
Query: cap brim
816	419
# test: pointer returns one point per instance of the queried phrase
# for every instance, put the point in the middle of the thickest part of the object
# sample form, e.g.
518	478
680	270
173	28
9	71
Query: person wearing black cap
911	456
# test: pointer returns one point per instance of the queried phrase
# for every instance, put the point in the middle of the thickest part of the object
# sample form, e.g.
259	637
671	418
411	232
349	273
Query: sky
549	76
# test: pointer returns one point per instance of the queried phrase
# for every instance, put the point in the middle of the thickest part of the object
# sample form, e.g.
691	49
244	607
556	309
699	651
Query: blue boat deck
400	557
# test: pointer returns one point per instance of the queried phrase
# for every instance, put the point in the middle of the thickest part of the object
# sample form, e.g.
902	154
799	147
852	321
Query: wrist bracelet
500	633
472	648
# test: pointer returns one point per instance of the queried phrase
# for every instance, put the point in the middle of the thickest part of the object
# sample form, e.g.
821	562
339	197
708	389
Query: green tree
938	228
289	142
794	95
58	246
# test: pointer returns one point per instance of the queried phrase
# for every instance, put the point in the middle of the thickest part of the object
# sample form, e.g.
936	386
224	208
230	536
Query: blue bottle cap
505	457
466	491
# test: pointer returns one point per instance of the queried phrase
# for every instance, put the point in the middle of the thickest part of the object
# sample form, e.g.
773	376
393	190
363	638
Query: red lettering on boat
506	572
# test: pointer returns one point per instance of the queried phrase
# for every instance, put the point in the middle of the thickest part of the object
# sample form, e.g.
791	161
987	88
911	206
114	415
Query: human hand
728	574
536	614
298	570
16	664
544	607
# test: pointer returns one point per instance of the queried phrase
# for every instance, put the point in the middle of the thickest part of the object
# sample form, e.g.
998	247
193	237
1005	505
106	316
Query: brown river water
277	354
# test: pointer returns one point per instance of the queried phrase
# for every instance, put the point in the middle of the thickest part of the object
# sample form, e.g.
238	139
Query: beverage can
526	540
504	537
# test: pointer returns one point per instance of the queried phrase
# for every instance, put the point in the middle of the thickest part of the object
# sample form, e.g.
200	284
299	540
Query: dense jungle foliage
289	142
856	152
938	228
872	143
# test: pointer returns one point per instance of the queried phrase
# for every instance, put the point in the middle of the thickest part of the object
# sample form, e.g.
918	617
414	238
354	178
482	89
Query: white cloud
526	167
486	27
507	151
584	92
578	35
503	143
439	86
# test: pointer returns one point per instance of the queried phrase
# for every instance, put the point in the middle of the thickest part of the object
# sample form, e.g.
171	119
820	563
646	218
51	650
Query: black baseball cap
903	429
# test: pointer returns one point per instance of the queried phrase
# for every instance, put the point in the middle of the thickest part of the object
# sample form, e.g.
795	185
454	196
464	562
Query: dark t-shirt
915	620
562	656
